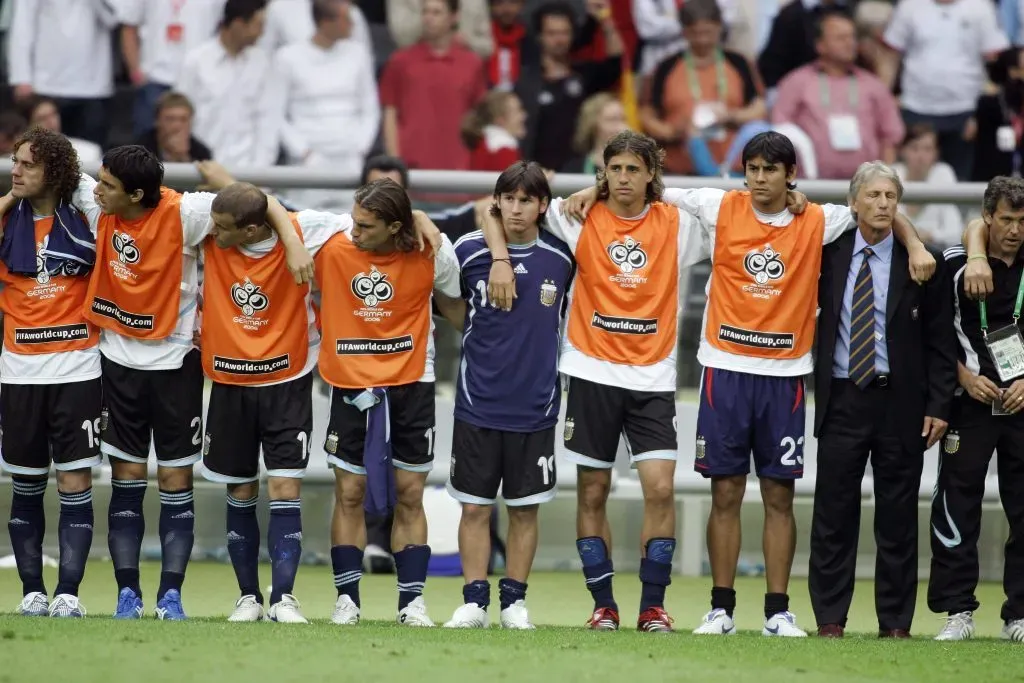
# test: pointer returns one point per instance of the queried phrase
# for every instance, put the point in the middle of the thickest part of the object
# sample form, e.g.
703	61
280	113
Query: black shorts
240	420
596	414
44	422
165	403
522	463
413	425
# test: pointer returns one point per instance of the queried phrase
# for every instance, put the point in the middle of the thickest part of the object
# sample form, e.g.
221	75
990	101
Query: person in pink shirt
848	112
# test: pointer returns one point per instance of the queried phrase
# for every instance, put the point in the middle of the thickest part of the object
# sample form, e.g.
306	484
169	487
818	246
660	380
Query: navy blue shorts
742	413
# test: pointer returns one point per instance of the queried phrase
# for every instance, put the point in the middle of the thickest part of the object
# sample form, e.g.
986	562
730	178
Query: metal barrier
185	176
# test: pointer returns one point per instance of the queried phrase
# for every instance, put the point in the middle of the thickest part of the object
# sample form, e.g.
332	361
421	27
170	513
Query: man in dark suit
885	373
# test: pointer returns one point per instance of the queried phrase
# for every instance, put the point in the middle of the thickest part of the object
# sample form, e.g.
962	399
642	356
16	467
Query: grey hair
870	170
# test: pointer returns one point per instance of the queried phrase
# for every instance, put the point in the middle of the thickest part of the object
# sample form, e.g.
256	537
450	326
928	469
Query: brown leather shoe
830	631
895	633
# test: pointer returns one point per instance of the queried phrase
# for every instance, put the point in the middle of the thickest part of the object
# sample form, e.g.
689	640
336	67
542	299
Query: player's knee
74	481
522	515
122	470
777	497
350	492
479	515
727	494
659	492
246	491
174	478
592	488
284	488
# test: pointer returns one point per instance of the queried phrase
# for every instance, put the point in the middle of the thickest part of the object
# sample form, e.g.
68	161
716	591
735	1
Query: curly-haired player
50	366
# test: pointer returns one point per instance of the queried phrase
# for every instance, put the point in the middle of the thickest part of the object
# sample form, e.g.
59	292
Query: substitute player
619	351
756	348
50	367
152	375
508	394
378	357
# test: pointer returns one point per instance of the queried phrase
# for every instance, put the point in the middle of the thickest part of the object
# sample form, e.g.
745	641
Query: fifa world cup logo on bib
627	255
373	287
249	297
42	276
765	265
124	247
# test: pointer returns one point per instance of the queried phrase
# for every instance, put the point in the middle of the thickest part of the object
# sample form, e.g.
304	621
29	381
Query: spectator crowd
933	87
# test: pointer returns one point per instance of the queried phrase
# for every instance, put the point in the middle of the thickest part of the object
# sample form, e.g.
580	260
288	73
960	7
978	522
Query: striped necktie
862	326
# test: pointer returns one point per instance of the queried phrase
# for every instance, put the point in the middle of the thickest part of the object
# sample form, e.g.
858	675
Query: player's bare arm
453	309
978	276
922	263
426	232
501	285
300	263
578	204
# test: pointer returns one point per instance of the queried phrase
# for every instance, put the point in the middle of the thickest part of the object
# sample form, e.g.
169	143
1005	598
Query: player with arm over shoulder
49	369
259	347
619	352
142	294
508	393
378	358
756	348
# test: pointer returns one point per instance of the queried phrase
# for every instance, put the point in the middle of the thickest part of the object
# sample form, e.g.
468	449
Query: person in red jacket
492	131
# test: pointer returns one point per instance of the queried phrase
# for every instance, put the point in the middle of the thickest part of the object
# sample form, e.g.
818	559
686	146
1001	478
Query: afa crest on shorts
548	293
570	425
701	446
331	444
206	445
952	443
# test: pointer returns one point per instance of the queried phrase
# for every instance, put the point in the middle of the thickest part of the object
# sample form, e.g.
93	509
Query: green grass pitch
206	648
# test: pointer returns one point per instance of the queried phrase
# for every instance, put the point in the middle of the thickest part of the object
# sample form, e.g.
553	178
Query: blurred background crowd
935	87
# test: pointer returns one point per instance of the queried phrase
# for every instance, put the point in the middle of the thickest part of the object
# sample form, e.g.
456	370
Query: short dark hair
527	176
12	124
917	131
138	169
1005	188
385	164
389	202
775	148
244	202
28	107
644	147
58	157
241	9
325	10
700	10
827	13
554	8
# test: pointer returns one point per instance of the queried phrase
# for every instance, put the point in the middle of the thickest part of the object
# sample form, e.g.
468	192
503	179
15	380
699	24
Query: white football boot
415	614
346	612
716	623
958	626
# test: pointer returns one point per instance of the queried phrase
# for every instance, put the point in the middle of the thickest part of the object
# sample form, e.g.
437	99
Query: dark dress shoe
895	633
830	631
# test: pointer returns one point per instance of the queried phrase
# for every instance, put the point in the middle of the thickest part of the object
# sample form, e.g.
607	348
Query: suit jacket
919	331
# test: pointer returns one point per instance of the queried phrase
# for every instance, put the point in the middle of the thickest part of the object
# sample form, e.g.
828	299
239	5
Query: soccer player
378	357
508	394
756	348
619	352
259	347
50	367
152	375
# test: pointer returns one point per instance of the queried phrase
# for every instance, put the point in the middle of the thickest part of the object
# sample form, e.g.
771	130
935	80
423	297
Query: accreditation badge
1006	347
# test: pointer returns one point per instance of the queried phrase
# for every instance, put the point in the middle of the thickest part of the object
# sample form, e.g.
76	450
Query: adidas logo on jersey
520	269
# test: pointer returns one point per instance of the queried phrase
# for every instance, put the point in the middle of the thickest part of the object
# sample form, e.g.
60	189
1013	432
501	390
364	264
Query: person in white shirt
155	37
325	104
291	21
226	78
945	45
61	48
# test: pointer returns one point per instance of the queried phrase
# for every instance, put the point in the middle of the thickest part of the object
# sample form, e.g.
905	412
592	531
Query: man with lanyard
508	395
986	417
152	375
756	348
379	359
50	367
